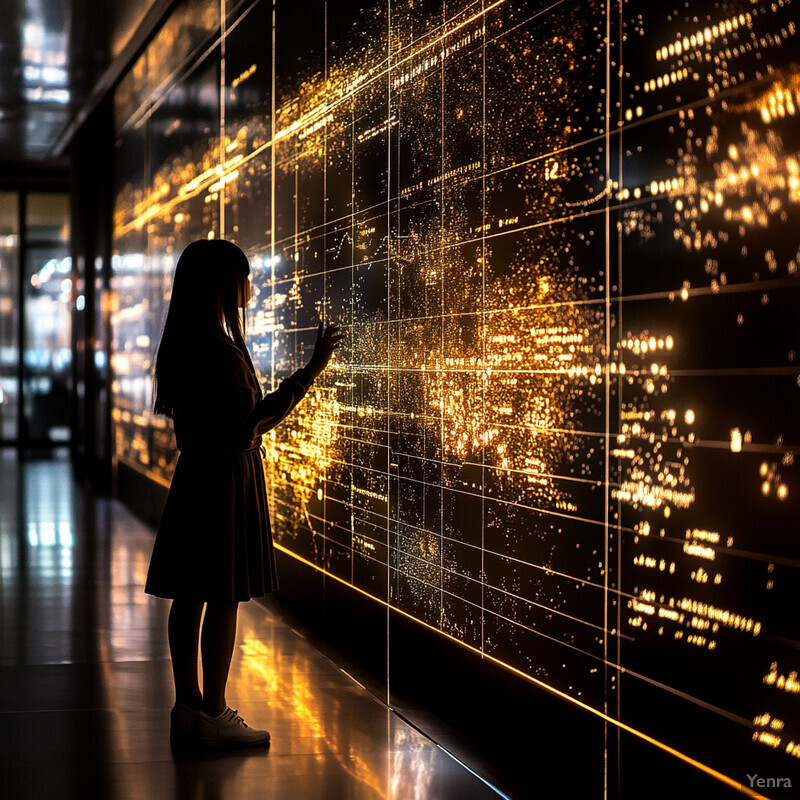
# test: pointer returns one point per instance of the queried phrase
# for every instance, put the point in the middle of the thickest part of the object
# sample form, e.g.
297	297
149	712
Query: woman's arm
275	406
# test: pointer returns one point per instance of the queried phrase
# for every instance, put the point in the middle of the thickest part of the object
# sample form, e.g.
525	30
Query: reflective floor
86	686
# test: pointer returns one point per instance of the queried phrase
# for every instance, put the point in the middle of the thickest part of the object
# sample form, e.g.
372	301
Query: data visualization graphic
563	241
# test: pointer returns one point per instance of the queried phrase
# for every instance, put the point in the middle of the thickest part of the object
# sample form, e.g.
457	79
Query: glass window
9	320
47	217
47	354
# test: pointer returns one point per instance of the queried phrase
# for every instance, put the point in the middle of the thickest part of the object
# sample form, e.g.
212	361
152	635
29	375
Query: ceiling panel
51	54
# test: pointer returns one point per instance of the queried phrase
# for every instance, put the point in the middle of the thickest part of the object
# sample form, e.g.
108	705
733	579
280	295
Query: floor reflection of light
54	542
412	761
65	538
412	766
33	534
48	534
7	550
289	688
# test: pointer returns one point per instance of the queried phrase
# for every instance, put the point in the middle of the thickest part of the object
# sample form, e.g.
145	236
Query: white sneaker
183	722
227	730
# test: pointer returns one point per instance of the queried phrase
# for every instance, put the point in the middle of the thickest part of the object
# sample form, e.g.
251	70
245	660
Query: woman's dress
214	541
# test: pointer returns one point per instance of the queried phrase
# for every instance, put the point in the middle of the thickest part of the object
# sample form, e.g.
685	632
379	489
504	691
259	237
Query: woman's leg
184	633
216	644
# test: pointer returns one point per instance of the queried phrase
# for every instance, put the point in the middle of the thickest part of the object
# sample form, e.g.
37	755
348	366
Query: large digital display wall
562	239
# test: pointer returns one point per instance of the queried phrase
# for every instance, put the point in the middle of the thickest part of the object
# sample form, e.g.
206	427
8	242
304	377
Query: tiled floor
86	685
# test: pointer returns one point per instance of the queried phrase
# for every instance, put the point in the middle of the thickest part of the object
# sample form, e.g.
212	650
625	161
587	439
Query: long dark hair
209	276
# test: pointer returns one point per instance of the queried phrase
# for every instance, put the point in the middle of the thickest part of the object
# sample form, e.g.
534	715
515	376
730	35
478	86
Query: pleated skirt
214	541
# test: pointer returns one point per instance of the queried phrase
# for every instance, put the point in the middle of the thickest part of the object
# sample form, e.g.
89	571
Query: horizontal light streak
679	542
507	557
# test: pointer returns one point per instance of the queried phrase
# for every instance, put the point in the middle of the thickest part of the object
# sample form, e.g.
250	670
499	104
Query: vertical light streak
442	293
324	311
352	366
222	153
606	397
388	338
272	119
618	409
483	328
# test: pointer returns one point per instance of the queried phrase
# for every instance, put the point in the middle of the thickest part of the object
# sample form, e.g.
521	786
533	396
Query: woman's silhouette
214	544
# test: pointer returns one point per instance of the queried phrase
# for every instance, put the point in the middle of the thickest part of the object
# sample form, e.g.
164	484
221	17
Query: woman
214	547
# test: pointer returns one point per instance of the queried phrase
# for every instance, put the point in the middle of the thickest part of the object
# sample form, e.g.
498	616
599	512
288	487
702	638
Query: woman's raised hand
328	340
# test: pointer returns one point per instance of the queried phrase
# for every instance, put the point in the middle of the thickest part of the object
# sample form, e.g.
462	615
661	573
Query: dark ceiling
52	53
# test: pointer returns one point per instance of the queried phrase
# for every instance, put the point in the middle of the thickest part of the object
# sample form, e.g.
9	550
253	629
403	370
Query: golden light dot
765	488
689	416
763	469
783	491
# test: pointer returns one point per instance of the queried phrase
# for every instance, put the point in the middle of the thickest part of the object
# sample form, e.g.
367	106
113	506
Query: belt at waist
226	453
256	448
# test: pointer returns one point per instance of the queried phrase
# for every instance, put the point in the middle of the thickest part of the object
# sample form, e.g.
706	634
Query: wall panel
562	241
